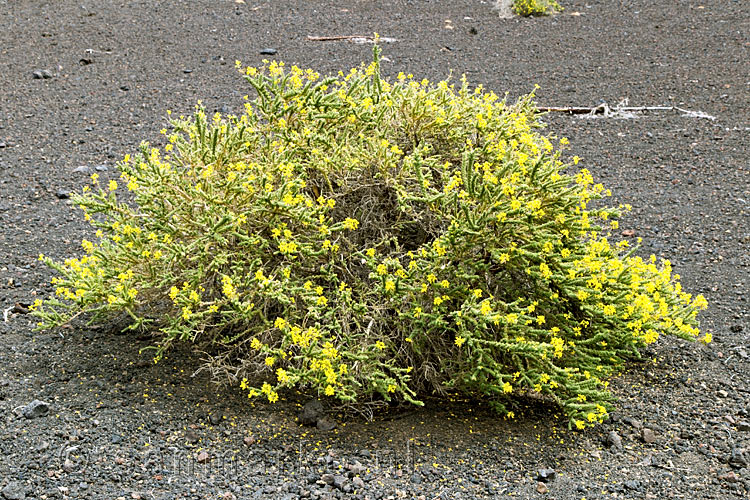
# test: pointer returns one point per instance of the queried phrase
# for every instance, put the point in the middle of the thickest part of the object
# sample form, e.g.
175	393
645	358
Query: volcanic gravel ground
115	425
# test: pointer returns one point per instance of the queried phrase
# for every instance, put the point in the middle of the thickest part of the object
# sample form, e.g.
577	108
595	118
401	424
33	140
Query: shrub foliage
371	240
528	8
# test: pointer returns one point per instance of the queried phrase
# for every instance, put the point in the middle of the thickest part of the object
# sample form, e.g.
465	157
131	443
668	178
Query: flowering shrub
528	8
371	240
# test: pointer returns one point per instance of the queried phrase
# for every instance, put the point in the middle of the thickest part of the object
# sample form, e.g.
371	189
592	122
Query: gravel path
84	415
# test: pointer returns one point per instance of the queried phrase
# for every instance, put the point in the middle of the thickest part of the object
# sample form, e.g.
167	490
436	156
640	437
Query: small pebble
614	440
633	484
729	477
42	74
545	475
35	409
648	435
268	51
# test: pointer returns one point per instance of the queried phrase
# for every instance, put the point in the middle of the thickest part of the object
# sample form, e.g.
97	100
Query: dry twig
622	110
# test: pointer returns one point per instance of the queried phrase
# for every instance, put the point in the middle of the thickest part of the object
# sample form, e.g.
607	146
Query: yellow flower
350	223
544	269
485	308
380	345
282	376
112	185
460	341
507	388
390	286
329	390
650	336
700	302
270	360
280	323
382	269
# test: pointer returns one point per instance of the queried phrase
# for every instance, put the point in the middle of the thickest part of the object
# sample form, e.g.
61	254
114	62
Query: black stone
311	412
325	424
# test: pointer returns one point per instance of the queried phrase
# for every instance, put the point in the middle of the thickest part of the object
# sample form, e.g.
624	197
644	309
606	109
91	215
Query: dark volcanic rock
312	412
325	424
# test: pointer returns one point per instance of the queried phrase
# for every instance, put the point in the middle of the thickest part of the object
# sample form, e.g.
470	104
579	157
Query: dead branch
351	38
338	37
620	110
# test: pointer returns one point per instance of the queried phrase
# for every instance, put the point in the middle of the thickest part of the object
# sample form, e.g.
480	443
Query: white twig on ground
351	38
622	110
